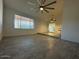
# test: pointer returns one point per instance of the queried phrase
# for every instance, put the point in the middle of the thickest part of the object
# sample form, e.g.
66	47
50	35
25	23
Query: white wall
8	26
1	15
70	28
40	25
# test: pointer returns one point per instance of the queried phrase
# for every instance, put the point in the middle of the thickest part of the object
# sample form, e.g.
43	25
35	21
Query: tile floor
37	47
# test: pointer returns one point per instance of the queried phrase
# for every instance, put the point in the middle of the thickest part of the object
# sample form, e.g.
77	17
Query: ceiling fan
45	7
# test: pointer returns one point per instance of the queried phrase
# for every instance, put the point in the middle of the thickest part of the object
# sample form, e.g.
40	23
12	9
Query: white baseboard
18	35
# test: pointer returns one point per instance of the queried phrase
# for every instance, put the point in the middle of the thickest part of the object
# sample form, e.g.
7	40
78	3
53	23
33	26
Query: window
23	22
52	27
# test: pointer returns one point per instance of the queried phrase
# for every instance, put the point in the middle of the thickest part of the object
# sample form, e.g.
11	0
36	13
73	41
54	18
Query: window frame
20	28
52	27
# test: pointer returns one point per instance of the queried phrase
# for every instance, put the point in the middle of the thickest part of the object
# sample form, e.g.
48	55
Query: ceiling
30	7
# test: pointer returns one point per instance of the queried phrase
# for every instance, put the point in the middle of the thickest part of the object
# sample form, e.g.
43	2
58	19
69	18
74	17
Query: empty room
39	29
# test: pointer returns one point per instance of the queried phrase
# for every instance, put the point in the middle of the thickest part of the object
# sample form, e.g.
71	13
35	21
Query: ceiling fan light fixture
45	7
41	9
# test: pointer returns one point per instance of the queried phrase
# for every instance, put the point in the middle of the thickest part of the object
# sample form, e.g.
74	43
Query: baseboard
49	35
70	42
18	35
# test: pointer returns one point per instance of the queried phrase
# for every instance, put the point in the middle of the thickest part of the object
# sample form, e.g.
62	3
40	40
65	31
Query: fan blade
41	1
49	8
46	11
44	1
50	3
